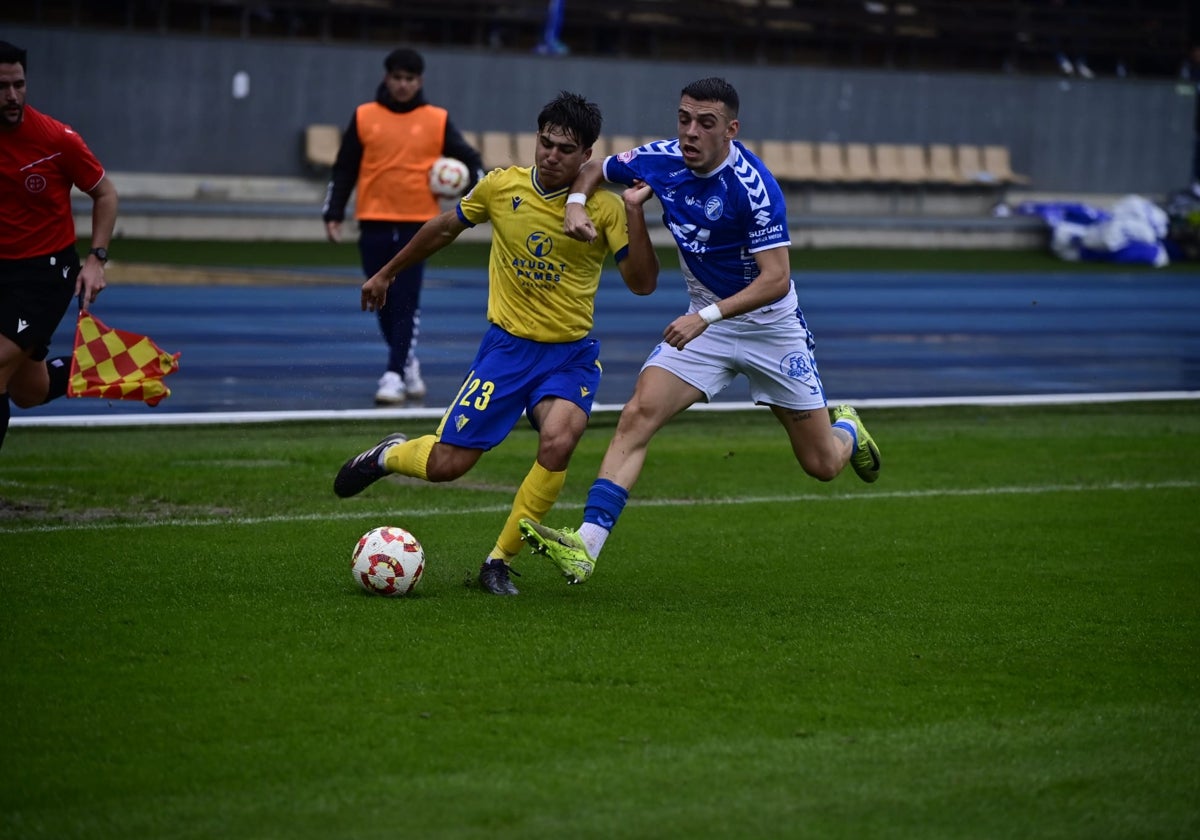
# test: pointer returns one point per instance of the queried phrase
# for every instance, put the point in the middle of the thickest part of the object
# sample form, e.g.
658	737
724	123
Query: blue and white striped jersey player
537	356
726	213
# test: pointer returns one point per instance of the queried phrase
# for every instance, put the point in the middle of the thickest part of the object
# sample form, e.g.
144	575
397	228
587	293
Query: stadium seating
831	163
860	164
525	147
914	164
996	162
821	180
321	143
497	149
793	162
889	165
774	153
802	156
622	143
969	160
943	168
472	138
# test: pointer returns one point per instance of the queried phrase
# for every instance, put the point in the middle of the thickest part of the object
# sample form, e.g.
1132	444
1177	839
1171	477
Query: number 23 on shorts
475	393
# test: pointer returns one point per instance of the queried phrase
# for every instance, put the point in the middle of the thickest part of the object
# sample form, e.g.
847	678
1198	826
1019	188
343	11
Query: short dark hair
10	54
574	115
409	61
713	89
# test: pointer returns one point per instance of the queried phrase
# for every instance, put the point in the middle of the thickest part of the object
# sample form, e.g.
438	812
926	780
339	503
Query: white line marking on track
224	418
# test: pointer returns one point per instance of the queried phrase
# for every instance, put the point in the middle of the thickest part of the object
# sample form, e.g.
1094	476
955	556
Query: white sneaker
391	389
413	383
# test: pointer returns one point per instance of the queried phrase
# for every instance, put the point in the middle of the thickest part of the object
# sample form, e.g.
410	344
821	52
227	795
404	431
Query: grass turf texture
996	640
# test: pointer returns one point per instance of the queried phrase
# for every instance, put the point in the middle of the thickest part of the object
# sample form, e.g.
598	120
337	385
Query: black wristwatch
101	254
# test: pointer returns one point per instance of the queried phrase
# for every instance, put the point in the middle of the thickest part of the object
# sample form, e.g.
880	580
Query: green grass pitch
999	639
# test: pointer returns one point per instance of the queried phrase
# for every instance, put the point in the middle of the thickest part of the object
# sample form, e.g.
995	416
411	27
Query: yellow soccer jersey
542	283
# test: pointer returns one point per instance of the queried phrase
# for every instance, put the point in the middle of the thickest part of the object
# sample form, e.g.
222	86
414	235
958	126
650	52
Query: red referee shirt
40	161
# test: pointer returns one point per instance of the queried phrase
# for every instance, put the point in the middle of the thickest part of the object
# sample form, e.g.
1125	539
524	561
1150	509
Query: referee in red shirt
40	160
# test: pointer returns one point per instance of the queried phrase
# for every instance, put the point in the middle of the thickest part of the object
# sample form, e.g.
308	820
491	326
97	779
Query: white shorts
776	357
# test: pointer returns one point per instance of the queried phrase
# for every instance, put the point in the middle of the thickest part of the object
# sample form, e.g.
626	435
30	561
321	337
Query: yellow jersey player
537	356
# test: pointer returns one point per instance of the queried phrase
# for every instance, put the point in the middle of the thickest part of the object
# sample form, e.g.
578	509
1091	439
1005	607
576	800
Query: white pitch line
378	515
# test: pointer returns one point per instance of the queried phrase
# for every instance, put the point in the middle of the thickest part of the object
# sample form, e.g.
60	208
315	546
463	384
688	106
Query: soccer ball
448	177
388	561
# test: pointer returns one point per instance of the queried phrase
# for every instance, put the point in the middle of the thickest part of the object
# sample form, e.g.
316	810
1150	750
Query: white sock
848	426
593	537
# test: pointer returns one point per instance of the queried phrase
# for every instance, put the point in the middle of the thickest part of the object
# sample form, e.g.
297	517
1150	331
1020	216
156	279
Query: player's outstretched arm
576	222
640	267
90	281
432	237
774	275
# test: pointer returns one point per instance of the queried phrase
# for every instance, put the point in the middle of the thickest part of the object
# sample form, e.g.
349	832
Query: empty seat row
888	163
791	161
797	161
503	148
321	143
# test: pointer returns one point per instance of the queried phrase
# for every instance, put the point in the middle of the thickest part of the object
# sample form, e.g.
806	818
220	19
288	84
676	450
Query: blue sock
849	426
605	501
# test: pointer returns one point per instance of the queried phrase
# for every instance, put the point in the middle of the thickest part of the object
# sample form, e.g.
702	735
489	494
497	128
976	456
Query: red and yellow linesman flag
118	365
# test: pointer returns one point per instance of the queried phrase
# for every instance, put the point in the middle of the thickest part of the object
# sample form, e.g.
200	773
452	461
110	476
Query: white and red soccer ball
388	561
448	178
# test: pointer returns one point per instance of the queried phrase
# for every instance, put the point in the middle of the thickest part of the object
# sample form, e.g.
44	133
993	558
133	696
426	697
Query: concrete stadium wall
165	104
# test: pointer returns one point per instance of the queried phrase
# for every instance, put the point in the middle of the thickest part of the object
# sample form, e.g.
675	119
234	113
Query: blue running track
879	335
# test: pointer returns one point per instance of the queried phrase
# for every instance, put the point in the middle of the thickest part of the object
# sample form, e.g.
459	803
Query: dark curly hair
713	89
10	54
576	116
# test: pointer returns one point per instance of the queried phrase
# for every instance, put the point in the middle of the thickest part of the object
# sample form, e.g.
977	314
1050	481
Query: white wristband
711	314
577	198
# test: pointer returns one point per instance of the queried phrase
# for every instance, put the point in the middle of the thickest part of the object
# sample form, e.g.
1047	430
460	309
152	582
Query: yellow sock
411	457
536	495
